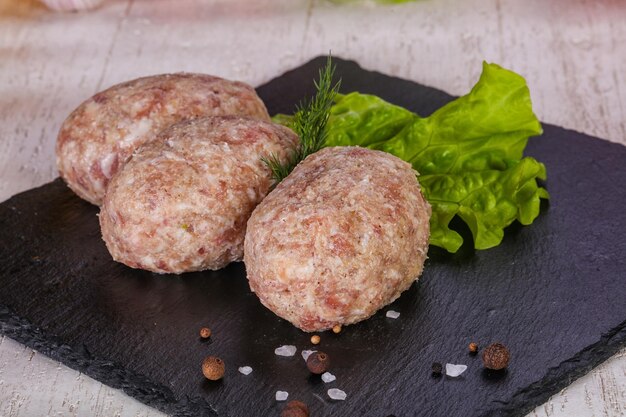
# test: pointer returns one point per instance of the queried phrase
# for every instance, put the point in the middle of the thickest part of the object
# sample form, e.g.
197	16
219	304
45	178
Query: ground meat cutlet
342	236
182	202
101	134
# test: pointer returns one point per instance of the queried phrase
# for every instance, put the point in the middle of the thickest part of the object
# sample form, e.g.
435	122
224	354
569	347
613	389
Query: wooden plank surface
572	53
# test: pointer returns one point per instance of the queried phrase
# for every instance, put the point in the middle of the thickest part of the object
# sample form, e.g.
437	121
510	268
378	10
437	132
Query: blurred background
571	52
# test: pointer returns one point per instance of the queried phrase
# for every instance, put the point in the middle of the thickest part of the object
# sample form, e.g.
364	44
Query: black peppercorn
437	369
318	362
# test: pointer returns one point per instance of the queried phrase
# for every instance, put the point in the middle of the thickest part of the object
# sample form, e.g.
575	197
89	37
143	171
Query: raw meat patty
342	236
102	133
182	201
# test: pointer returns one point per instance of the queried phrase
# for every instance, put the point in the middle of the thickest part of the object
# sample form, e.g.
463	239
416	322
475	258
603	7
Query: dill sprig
309	123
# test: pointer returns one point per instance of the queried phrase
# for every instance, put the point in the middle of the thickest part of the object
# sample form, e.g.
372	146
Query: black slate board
554	292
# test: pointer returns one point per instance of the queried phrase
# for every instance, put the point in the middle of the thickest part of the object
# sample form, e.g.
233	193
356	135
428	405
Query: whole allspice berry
318	362
295	409
205	332
496	356
213	368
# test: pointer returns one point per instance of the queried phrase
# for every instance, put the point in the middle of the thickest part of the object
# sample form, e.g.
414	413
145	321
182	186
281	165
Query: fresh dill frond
309	123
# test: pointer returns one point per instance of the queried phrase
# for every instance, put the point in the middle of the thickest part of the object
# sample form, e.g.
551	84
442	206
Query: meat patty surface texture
341	237
182	201
101	134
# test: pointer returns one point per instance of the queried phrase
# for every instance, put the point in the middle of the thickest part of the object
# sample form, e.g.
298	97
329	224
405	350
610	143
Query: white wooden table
572	53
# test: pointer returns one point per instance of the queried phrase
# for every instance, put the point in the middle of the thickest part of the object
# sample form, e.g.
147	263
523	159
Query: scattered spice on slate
437	368
391	314
318	363
286	350
205	332
246	370
496	356
295	408
453	370
337	394
328	377
213	368
337	328
294	412
282	395
473	348
306	353
315	339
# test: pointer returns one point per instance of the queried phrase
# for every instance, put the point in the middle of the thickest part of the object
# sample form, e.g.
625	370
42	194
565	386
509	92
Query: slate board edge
564	374
162	398
107	372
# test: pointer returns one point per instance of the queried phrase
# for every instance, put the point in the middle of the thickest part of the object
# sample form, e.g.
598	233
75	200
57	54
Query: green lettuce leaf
487	201
469	153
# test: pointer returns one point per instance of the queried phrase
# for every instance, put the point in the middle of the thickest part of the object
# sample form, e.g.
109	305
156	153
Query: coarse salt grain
286	350
246	370
392	314
307	353
337	394
328	377
282	395
453	370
